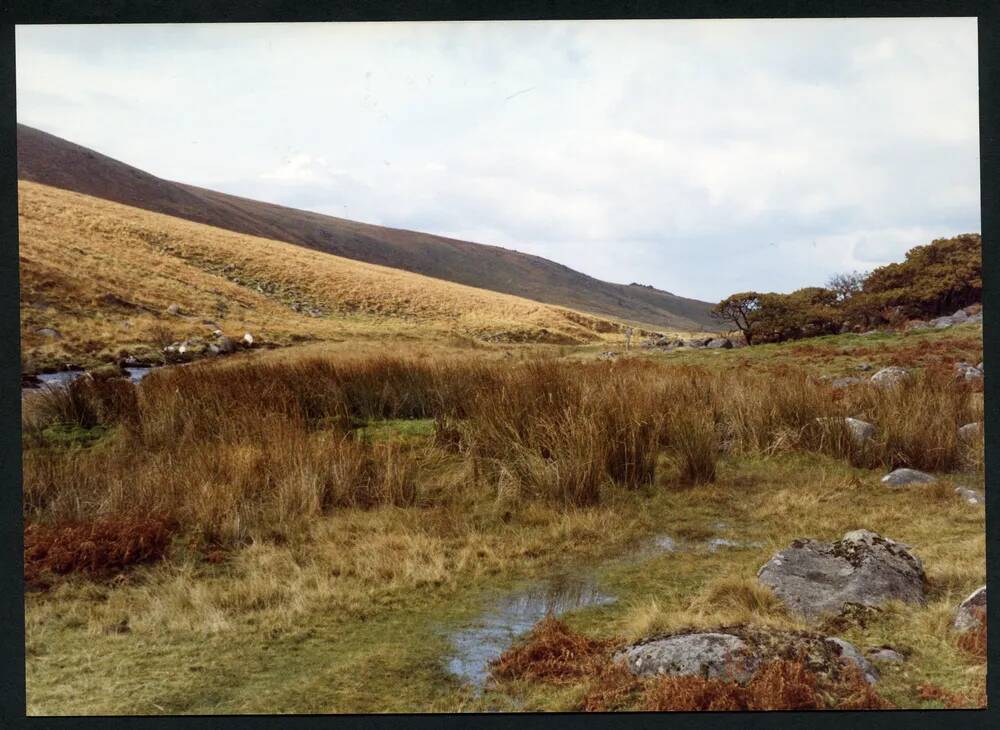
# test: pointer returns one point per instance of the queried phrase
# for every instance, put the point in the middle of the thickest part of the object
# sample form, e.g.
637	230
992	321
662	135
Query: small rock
973	309
864	367
861	431
980	368
967	371
975	318
884	654
916	324
942	323
174	309
902	477
890	376
970	432
970	495
845	382
247	339
226	345
849	653
971	611
49	332
719	343
960	316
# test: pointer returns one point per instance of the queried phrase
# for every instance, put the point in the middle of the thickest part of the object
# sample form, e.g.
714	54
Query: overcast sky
702	157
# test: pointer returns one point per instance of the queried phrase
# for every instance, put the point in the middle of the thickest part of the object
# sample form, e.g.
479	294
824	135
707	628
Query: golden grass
75	251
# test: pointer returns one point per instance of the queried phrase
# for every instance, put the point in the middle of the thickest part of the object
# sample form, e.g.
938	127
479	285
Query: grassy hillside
102	275
50	160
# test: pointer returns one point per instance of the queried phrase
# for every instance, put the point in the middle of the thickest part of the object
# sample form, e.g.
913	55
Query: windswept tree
739	310
846	285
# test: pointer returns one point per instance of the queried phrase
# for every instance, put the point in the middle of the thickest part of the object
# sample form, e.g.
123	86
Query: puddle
512	615
474	647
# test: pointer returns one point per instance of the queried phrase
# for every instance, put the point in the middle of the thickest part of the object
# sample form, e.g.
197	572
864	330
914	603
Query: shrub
98	548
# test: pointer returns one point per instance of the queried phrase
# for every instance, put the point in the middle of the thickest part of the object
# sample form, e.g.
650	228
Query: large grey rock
970	432
902	477
815	579
707	654
960	316
735	653
972	611
970	495
892	375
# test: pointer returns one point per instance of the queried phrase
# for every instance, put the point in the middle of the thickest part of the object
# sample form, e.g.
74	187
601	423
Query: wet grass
201	638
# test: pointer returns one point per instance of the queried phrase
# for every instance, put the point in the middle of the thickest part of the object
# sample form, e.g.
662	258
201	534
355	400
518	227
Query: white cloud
699	156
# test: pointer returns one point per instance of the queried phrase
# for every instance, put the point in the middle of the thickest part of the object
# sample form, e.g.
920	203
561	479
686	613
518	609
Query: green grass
382	648
397	429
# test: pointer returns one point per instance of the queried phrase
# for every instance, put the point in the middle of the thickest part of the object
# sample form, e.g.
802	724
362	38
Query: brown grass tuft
552	653
97	549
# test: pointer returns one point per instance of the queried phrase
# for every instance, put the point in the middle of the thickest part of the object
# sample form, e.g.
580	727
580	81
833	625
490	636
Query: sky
701	157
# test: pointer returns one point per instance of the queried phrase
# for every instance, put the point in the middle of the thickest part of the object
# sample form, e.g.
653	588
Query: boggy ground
333	523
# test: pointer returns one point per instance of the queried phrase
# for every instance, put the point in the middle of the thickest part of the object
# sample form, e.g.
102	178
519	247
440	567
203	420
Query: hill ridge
50	160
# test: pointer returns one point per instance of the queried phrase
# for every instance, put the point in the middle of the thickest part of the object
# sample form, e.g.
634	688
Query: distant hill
51	160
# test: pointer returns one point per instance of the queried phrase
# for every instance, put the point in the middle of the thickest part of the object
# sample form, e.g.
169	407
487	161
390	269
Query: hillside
102	275
50	160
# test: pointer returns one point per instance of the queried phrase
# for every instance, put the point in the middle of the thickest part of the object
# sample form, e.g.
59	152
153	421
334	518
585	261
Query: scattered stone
719	343
975	318
247	339
980	368
973	309
970	495
971	612
49	332
736	652
864	367
941	323
960	316
609	355
884	654
845	382
174	309
815	579
916	324
850	653
861	431
967	371
891	376
226	345
869	333
902	477
970	432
